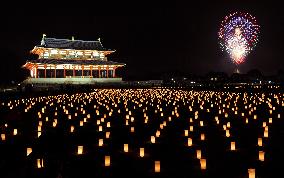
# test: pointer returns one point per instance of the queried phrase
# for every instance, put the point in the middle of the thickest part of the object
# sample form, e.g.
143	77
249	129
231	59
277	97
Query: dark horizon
171	38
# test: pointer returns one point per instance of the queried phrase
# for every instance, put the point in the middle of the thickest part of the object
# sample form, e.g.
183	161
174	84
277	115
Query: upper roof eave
106	50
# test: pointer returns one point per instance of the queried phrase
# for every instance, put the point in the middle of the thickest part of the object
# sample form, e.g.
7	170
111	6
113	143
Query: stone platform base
72	81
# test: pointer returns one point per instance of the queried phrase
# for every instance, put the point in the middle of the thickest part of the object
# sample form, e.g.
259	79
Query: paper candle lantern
198	154
265	134
29	151
189	141
101	142
233	146
186	133
141	153
107	134
3	137
261	155
146	121
251	173
259	142
217	121
228	124
153	139
158	133
39	163
157	166
228	133
39	128
203	164
125	148
15	132
80	150
38	134
72	128
107	161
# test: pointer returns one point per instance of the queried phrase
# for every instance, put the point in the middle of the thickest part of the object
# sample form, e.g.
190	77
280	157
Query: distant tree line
252	76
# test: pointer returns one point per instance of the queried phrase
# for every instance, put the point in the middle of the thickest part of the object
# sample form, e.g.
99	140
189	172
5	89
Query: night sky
152	41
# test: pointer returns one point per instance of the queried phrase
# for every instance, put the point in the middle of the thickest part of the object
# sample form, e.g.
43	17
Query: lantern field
155	131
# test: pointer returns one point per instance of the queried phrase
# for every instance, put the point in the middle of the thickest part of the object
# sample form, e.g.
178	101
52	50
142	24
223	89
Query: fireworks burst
238	35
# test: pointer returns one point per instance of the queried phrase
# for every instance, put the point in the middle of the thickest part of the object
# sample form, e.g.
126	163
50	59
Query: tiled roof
72	44
77	62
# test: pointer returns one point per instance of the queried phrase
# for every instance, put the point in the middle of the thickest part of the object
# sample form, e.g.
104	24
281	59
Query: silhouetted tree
255	73
280	75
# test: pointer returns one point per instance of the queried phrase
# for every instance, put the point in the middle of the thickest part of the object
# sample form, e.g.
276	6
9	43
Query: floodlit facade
65	61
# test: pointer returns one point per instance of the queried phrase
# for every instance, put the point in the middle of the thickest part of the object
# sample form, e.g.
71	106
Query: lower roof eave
74	62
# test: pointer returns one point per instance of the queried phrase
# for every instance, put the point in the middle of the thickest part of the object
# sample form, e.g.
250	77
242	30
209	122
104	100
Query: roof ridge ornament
73	38
68	43
42	40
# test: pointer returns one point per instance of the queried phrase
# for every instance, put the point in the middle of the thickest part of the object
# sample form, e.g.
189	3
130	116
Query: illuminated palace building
64	61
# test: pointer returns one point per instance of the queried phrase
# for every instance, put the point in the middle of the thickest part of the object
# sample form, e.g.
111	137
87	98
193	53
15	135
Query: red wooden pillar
99	72
33	72
45	70
107	71
91	68
82	70
36	71
54	71
114	72
64	72
73	71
